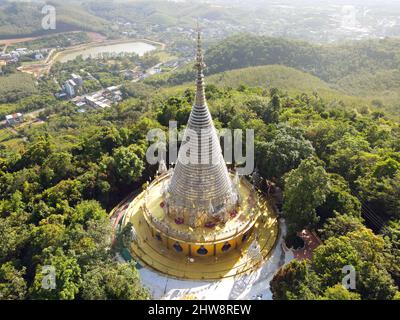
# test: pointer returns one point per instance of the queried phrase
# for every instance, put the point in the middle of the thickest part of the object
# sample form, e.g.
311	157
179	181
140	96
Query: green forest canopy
55	189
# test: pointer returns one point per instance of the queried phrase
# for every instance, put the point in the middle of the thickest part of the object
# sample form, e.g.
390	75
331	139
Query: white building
112	89
77	79
70	88
39	56
97	101
14	119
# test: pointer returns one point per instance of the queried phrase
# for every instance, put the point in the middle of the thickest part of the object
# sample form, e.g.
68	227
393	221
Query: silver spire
200	65
197	186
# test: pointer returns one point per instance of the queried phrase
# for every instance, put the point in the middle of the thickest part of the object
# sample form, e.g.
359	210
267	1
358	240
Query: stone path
311	242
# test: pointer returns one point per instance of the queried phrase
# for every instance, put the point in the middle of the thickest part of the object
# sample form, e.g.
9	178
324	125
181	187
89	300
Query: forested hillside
55	190
17	19
321	136
25	19
367	69
164	13
330	63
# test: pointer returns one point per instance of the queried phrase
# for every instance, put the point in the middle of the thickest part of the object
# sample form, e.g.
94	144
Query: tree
88	211
91	243
49	233
381	191
68	277
95	184
386	168
14	235
257	105
271	114
12	283
170	109
340	225
330	258
324	133
128	163
349	156
64	194
306	189
113	281
391	233
376	284
142	127
295	281
339	199
59	165
149	60
338	292
366	253
38	152
104	141
284	151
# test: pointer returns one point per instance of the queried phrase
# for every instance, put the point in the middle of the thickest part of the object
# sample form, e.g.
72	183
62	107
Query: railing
193	237
190	236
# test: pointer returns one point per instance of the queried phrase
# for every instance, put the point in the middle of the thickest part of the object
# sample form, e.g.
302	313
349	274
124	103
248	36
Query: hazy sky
292	2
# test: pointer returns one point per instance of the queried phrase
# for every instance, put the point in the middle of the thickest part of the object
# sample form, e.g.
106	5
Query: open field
10	139
8	42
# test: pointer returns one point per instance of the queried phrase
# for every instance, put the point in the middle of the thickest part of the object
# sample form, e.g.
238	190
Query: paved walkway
311	242
251	286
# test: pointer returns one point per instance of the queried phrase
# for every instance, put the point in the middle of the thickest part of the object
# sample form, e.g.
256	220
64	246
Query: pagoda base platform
245	255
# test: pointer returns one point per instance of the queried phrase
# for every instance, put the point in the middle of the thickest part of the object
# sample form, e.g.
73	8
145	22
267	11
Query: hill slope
330	63
278	76
367	70
18	19
287	79
354	90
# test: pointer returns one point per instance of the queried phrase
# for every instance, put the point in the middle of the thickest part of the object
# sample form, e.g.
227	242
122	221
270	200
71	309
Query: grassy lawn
16	86
164	56
10	140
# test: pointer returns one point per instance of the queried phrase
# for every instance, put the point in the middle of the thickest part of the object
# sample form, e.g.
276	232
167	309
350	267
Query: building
112	89
72	86
39	56
198	220
14	119
5	56
69	87
77	79
133	74
97	101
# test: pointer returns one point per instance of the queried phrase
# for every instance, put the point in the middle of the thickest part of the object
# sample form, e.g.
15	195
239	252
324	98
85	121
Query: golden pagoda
198	220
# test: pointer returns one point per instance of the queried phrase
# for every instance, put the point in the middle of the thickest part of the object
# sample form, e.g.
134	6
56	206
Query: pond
140	48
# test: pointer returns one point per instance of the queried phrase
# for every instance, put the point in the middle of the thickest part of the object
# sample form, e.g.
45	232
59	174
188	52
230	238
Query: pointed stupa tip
200	65
199	187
